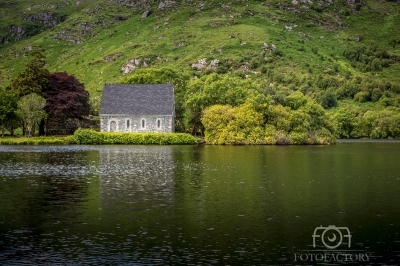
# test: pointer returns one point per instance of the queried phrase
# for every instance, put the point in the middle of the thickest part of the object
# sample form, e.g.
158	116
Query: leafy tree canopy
156	76
218	89
8	106
302	121
233	125
30	109
33	79
66	97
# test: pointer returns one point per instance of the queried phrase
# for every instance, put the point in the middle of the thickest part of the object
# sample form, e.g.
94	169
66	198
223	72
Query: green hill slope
347	48
94	40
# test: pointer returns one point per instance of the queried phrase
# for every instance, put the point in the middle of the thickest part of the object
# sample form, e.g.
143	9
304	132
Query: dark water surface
192	205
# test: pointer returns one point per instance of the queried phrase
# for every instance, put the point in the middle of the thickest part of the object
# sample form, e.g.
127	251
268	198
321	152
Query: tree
31	110
296	100
279	117
346	121
66	97
33	79
8	106
215	120
225	124
215	89
328	100
67	102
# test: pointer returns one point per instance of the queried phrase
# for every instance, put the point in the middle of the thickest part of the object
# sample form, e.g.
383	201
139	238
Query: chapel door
113	126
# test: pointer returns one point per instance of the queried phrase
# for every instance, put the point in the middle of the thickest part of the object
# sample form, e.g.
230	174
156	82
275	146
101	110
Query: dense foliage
65	97
375	124
232	109
31	110
88	136
33	79
225	124
302	121
8	106
214	89
368	58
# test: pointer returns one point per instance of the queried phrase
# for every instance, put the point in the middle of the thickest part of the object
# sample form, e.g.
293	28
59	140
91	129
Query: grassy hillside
313	46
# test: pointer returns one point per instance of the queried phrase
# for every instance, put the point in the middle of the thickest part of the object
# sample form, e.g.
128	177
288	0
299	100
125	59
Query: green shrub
89	136
328	100
362	96
347	90
376	94
314	50
269	133
386	101
69	140
322	136
367	58
299	137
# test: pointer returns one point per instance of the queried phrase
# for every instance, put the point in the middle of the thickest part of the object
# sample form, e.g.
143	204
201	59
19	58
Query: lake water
208	205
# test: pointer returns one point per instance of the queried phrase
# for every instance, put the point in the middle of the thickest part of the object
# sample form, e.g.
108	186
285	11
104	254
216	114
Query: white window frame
143	122
158	121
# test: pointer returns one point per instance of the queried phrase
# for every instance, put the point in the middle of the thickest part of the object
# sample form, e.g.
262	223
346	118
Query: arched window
158	123
143	123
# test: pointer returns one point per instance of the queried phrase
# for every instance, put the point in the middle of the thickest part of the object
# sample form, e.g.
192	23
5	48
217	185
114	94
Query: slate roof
138	99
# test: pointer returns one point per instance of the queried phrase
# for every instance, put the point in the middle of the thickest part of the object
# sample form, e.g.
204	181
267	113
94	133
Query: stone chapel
137	108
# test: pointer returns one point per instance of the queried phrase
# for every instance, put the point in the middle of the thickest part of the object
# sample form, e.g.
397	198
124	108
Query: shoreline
191	140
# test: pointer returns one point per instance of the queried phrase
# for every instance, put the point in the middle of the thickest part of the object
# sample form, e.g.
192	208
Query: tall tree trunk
33	130
41	128
12	130
2	129
23	129
46	127
29	127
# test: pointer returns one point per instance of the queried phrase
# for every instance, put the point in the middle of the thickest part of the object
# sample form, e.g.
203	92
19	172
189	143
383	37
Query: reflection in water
157	205
41	192
135	179
142	171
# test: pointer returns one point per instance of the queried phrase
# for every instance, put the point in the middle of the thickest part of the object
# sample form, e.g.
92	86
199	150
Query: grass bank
37	140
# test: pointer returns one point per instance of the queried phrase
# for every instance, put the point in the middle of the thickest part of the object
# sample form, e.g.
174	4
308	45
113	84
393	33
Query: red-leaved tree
66	98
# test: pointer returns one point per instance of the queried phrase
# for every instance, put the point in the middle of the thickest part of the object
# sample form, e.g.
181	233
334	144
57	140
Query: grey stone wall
121	124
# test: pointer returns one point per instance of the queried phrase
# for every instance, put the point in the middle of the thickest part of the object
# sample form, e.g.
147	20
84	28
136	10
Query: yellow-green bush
303	123
89	136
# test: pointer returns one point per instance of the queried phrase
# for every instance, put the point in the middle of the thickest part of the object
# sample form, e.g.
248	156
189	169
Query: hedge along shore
89	136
